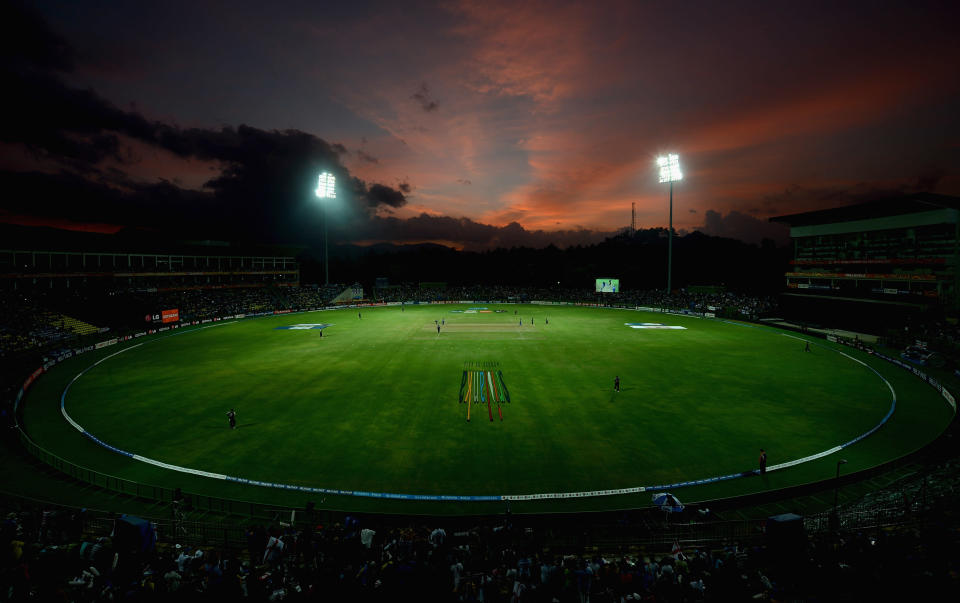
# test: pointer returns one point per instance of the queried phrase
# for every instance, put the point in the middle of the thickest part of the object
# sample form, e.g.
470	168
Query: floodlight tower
670	172
326	189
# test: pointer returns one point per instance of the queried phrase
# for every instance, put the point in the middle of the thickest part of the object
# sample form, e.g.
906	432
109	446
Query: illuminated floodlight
670	168
326	187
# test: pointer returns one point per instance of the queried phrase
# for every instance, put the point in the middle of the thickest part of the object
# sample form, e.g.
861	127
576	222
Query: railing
862	520
221	535
687	535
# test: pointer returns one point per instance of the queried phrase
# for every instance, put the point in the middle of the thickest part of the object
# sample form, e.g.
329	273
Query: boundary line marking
474	498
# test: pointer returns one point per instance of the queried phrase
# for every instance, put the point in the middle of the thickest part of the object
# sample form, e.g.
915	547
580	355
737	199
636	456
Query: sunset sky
475	115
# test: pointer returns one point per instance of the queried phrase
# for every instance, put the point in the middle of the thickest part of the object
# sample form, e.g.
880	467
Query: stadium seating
68	323
76	554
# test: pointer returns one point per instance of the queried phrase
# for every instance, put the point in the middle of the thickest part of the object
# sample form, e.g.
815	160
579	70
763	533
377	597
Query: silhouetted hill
639	260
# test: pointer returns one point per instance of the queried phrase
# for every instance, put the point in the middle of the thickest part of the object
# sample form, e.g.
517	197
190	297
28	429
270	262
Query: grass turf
372	405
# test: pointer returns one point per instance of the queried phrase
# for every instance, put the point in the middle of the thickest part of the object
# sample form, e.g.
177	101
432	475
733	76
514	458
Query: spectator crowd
63	555
33	320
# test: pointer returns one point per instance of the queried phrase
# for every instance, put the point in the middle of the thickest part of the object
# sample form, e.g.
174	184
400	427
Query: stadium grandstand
891	256
57	296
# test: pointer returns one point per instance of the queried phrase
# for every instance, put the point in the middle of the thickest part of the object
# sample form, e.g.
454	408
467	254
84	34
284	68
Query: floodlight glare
670	168
326	187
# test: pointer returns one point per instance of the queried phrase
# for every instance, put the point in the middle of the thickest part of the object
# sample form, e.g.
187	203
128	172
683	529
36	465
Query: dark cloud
61	123
380	194
261	187
798	198
158	206
928	180
260	190
261	184
473	236
463	181
26	41
366	157
422	96
736	225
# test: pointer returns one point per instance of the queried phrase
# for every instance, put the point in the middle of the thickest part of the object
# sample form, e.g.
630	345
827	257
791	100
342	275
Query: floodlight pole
326	265
670	245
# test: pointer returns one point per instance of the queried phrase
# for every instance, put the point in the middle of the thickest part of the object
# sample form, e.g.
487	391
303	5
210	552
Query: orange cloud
516	47
850	103
555	113
147	163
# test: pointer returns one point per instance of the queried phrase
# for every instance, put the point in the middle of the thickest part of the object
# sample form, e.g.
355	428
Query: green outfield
380	403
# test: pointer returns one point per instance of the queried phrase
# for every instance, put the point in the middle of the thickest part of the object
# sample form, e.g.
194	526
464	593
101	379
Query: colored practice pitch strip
482	383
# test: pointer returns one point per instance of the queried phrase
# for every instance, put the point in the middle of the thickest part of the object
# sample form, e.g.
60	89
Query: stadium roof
889	206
